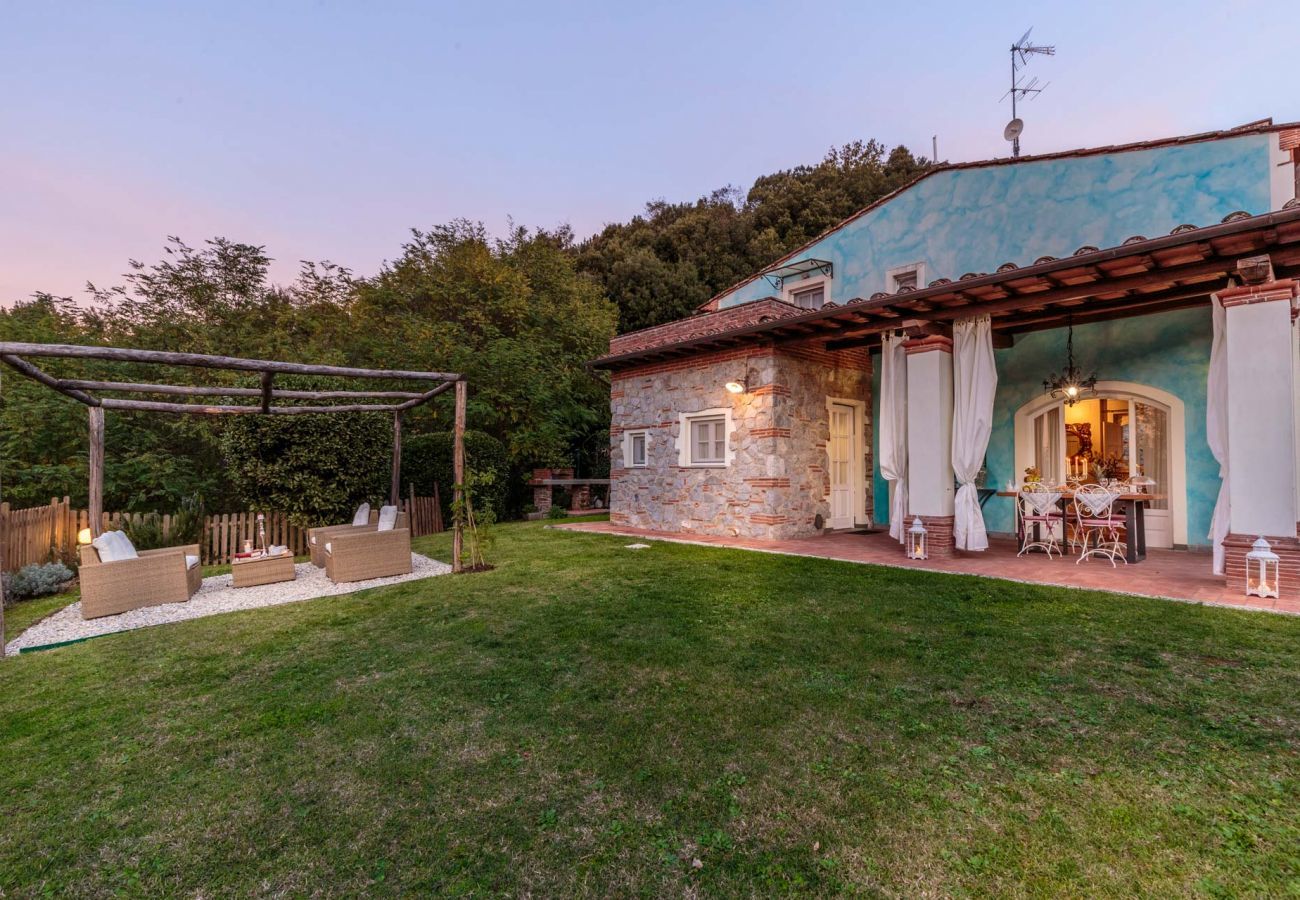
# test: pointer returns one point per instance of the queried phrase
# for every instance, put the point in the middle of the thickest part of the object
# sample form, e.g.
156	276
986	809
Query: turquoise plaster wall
1170	351
973	220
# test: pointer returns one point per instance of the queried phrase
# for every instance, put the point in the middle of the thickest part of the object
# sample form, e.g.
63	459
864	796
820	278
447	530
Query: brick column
541	492
929	439
1261	428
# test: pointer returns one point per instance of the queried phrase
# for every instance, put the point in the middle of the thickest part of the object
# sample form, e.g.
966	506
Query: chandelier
1070	383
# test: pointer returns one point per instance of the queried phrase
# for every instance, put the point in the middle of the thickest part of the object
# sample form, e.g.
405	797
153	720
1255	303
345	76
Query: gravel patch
214	597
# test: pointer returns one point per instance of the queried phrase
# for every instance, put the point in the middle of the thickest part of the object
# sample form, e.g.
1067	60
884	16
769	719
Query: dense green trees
663	264
521	316
513	315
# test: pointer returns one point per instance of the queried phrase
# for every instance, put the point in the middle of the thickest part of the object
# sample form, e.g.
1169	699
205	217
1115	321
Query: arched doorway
1135	428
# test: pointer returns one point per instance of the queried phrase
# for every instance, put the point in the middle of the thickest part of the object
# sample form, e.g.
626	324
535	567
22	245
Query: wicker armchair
362	554
317	538
153	578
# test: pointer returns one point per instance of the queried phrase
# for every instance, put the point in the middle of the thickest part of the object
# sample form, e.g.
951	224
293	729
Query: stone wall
776	485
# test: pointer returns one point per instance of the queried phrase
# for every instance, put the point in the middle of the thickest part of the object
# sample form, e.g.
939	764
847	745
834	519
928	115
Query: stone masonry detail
777	484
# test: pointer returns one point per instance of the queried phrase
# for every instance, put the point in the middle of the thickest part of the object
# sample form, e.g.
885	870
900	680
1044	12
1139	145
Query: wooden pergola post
458	476
96	471
395	489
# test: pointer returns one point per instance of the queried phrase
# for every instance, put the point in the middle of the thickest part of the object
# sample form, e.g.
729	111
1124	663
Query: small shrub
557	512
36	580
477	523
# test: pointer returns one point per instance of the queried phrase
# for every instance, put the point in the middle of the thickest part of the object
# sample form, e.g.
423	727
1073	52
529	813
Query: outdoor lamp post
1262	571
916	540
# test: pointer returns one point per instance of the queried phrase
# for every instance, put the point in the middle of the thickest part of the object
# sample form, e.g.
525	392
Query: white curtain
974	382
893	430
1216	425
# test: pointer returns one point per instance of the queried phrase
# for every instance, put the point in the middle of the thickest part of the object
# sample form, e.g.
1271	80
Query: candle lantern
1262	571
83	536
916	540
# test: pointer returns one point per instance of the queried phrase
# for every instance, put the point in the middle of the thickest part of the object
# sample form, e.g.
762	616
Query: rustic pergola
18	355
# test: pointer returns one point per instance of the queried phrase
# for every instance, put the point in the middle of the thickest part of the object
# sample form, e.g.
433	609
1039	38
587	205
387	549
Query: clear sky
326	130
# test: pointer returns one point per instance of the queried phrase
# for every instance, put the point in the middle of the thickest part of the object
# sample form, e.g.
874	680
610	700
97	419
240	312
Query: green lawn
591	720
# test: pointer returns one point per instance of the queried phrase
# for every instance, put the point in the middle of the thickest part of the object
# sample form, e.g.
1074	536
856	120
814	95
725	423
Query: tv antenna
1021	50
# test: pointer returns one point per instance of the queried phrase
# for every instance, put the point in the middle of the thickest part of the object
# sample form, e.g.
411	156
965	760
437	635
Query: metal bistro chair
1094	510
1039	506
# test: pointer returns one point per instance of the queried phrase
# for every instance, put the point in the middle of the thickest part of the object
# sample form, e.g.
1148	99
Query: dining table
1133	503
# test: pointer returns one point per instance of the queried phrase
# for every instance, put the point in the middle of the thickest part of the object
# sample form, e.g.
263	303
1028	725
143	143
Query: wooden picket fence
41	534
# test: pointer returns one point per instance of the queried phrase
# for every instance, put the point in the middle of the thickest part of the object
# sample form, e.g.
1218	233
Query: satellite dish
1013	129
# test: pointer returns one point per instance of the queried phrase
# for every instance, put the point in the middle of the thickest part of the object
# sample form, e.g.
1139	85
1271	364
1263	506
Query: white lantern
1262	571
916	540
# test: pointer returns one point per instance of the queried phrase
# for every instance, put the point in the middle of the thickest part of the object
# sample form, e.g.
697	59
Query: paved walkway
1169	574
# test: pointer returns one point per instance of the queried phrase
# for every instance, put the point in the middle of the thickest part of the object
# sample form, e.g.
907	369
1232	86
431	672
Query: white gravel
214	597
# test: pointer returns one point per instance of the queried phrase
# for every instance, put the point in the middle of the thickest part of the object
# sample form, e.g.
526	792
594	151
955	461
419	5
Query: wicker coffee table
263	570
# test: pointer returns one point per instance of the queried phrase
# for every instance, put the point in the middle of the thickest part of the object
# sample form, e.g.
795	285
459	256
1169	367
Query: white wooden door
841	466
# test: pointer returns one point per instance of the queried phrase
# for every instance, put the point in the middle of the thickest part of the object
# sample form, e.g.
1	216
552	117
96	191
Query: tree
661	265
513	316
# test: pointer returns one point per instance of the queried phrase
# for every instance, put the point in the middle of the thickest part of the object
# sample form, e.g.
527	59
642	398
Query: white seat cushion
327	547
114	546
127	548
387	517
191	561
313	538
362	515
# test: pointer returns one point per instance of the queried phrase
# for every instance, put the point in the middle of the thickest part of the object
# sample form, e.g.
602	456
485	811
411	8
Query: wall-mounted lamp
737	387
83	536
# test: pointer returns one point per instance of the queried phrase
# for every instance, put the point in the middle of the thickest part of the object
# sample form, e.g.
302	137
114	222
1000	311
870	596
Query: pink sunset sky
327	130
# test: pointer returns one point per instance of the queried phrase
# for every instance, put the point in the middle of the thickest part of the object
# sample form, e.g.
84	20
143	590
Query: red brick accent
711	322
1284	289
769	432
774	389
692	362
926	343
939	541
765	519
768	482
1235	548
814	350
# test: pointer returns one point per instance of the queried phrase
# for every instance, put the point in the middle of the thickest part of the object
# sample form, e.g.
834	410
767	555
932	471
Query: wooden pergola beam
203	409
23	367
427	395
206	361
12	354
185	390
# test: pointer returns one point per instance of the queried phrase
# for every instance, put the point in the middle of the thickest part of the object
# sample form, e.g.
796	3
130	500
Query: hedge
427	459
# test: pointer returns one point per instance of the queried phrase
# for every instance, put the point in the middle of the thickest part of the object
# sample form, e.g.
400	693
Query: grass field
595	721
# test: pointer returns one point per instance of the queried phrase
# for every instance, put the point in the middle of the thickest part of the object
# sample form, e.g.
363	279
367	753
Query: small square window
638	449
709	441
809	298
905	278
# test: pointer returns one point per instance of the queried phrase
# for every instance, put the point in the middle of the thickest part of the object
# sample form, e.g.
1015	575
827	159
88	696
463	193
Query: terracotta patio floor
1168	574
